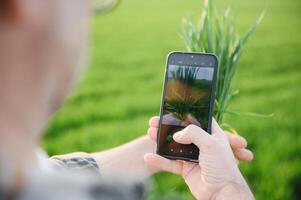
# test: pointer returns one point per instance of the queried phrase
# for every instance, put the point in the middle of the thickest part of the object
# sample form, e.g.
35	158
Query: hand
217	170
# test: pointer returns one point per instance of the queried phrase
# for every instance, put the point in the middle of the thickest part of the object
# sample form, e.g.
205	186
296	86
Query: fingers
236	141
243	154
152	133
238	145
163	163
154	122
193	134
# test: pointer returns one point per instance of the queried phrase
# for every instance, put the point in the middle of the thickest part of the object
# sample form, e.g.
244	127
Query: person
42	52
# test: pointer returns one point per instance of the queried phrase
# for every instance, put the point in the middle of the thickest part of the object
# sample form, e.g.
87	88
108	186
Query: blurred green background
121	89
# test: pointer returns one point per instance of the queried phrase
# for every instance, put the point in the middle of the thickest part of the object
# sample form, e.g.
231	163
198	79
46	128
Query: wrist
235	190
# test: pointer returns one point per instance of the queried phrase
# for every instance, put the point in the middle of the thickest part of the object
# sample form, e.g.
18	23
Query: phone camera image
187	100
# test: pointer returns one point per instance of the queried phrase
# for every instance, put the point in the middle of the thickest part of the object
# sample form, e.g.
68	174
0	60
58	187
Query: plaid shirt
86	163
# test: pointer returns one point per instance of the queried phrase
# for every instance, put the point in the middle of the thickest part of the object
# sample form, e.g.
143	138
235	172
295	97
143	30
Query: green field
121	89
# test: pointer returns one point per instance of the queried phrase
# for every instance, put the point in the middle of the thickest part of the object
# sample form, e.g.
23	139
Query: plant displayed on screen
215	33
191	100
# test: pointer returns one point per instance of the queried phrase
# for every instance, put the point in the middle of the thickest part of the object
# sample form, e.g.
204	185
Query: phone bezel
212	99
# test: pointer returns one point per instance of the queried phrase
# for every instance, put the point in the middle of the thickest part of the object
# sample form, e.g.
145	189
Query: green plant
216	34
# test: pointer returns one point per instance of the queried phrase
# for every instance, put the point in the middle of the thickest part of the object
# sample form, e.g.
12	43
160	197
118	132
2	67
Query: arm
127	158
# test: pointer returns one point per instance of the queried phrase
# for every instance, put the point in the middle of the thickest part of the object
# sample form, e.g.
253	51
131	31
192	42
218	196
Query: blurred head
43	47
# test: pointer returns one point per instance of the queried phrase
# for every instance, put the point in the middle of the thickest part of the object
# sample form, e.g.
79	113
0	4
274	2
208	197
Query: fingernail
178	135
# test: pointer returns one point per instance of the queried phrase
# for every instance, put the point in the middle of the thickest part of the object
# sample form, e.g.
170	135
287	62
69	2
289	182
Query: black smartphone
188	98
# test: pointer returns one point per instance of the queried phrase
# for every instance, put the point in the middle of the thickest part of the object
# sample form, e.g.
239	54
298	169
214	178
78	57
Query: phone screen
187	99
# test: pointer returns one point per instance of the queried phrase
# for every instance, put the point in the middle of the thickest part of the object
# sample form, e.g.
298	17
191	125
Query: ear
10	9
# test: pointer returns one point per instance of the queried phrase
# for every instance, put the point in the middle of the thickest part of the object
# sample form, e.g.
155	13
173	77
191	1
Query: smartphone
188	98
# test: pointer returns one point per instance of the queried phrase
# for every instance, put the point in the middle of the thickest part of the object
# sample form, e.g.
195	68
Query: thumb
193	134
